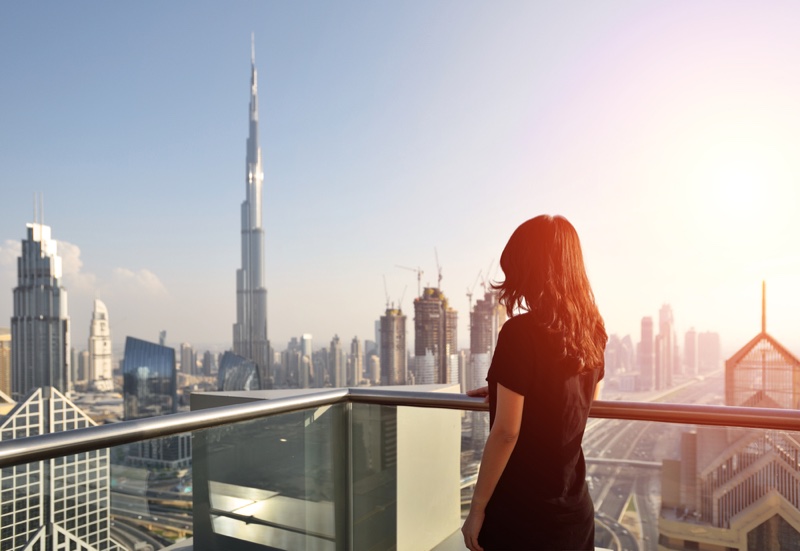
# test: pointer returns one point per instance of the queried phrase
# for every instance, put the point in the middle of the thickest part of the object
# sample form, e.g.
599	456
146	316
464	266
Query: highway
613	486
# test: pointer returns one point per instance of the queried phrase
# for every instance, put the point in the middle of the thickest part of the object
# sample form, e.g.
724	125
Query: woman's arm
499	445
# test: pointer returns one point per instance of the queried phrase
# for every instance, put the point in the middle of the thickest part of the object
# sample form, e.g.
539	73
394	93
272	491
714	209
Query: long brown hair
545	276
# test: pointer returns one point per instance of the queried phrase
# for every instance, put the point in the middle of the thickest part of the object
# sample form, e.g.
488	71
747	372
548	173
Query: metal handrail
47	446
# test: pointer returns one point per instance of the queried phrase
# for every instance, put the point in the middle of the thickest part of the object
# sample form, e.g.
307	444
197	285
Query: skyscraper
485	321
55	504
690	352
435	338
5	361
188	364
646	355
100	362
739	486
336	363
40	324
393	347
355	363
250	329
665	347
149	390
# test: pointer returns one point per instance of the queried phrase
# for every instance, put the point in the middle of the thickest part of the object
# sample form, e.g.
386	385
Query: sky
393	133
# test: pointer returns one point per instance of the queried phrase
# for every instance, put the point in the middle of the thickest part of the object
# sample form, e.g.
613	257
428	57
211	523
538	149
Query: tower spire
253	49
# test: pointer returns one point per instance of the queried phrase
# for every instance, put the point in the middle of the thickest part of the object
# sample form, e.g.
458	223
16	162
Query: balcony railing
355	468
48	446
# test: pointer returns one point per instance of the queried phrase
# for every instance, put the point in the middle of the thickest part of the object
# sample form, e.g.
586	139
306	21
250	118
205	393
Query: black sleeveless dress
542	500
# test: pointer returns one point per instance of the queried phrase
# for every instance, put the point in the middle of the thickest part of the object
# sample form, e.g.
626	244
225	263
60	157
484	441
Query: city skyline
456	122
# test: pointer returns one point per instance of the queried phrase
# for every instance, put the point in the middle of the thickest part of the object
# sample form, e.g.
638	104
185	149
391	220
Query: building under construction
435	338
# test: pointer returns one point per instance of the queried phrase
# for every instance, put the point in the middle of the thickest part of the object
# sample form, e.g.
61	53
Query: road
614	486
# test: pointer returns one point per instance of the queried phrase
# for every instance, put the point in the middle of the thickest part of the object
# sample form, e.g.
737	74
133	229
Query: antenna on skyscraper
253	48
41	208
763	306
438	269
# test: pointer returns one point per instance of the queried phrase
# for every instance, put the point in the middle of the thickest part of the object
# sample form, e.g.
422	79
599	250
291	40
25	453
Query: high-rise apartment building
336	363
209	363
83	366
101	365
55	504
40	323
5	361
250	330
646	355
435	338
308	374
665	347
393	347
355	363
188	362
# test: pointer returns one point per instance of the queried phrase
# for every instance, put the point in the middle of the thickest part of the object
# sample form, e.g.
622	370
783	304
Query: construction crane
470	290
386	291
485	281
400	304
438	269
419	272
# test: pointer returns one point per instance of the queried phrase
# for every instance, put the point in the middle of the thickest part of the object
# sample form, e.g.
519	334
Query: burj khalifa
250	330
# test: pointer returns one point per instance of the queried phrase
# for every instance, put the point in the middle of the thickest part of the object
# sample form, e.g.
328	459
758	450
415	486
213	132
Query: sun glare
742	201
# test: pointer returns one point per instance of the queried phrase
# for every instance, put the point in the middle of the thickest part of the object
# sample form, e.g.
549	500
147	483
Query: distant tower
435	338
690	352
336	365
665	347
393	347
250	329
355	370
646	356
40	324
188	363
100	362
308	374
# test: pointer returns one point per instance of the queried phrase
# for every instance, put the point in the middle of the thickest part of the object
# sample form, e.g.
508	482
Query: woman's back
545	475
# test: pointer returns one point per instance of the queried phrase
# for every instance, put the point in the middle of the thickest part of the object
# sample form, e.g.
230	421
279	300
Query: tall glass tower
250	329
101	366
40	324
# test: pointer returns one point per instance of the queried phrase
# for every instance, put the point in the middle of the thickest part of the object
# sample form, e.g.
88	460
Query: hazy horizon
666	133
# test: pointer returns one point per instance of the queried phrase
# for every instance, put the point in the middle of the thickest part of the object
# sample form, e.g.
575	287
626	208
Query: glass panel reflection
277	482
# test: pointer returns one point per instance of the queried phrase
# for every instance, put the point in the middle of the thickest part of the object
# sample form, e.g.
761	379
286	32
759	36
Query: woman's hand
472	528
482	392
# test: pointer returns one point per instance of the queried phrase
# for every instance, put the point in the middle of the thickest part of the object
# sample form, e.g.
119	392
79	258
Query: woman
531	491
